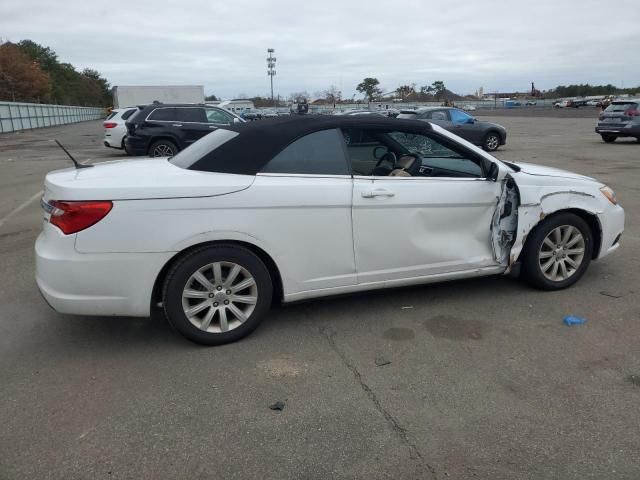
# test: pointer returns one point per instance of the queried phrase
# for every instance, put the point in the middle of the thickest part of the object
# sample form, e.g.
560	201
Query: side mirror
471	120
236	120
379	152
492	172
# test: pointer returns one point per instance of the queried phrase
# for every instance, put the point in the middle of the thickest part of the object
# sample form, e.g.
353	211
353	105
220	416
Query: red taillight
632	113
110	124
71	217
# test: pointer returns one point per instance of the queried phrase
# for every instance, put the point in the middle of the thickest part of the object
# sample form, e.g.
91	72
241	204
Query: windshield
621	107
199	149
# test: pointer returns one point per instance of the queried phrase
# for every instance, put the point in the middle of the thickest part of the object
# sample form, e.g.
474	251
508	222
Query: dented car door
424	224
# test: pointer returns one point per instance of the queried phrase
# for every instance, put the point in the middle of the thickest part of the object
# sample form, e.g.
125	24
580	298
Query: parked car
269	114
293	208
530	103
162	130
469	108
114	127
251	115
484	134
620	119
562	104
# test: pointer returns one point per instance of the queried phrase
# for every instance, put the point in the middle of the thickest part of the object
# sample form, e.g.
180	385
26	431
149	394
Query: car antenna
75	162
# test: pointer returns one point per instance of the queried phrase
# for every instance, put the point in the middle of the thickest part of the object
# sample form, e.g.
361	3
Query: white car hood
139	179
533	169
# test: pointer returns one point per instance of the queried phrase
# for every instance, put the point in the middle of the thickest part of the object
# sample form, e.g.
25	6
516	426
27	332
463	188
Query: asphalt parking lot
470	379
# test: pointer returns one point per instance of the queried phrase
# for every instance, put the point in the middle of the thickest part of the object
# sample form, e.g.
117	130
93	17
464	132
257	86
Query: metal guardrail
15	116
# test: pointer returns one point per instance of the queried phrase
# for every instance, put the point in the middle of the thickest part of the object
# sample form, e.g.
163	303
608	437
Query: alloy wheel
219	297
163	150
492	142
561	253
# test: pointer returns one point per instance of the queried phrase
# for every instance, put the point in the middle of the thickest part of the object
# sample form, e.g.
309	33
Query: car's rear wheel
608	138
491	142
557	252
217	294
163	148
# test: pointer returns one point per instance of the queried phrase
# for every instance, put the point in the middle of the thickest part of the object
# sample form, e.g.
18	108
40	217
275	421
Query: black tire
163	148
181	273
491	141
608	138
532	271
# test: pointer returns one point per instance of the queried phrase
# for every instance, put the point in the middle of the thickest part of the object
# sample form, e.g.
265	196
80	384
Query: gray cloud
500	45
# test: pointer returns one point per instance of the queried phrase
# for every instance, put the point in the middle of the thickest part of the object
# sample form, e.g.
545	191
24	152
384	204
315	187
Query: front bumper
612	224
95	283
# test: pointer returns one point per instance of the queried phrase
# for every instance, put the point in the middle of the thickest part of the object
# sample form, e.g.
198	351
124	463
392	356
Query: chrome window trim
458	179
190	123
302	175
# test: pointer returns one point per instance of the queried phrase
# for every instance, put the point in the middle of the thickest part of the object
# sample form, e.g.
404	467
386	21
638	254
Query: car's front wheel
608	138
557	252
491	142
163	148
217	294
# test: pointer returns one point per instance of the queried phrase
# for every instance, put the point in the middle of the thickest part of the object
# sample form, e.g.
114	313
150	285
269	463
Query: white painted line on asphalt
20	207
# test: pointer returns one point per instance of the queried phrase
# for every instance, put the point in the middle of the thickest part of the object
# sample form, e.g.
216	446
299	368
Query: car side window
460	117
319	153
438	115
217	116
438	157
364	150
191	115
163	115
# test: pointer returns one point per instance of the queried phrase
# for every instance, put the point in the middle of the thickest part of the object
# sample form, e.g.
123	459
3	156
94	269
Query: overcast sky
499	45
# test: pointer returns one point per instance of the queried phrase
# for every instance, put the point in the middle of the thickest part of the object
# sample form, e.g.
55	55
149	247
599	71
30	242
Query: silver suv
620	119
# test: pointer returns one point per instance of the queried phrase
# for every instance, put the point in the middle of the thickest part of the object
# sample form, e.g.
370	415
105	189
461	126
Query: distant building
237	105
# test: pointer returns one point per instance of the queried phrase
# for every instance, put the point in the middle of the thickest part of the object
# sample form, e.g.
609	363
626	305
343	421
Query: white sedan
300	207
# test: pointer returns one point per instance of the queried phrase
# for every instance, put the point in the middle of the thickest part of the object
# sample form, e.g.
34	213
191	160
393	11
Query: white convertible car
292	208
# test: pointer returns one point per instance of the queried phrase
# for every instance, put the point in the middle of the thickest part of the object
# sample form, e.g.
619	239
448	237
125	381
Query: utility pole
271	65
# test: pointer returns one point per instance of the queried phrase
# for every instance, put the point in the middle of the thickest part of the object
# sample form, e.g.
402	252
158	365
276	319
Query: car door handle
213	126
177	124
380	192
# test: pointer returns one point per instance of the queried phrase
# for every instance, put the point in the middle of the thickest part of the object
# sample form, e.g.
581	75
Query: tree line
585	90
30	72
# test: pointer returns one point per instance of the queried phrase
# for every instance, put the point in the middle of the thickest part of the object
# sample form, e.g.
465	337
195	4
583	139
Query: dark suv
620	119
162	130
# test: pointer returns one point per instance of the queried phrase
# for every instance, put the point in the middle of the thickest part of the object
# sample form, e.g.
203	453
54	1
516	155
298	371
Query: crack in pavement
414	453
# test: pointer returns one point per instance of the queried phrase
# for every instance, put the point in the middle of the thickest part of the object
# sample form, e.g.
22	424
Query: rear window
128	113
622	107
190	155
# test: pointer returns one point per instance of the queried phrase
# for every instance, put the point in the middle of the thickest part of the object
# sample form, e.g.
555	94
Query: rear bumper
632	130
94	284
136	145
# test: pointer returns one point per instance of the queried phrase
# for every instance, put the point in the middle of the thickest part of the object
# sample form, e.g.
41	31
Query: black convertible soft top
260	141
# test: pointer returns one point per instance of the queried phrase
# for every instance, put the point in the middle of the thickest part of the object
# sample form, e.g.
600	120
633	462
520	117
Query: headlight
610	194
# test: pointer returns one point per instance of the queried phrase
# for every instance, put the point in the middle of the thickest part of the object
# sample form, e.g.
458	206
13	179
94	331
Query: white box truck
130	96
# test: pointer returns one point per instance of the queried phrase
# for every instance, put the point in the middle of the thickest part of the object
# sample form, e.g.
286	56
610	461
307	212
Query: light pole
271	64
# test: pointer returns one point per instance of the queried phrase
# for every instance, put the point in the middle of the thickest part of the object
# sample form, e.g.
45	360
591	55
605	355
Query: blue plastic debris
571	320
